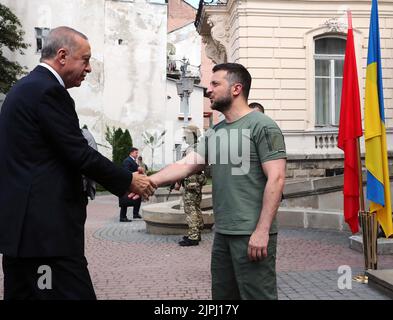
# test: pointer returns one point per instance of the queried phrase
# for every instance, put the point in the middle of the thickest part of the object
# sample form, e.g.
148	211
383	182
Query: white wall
127	87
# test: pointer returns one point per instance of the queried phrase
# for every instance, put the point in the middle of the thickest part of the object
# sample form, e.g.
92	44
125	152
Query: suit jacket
132	166
43	156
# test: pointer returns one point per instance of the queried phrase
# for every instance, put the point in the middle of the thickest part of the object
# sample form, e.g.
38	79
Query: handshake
141	186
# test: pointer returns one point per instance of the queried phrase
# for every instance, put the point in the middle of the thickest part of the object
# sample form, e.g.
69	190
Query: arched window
329	63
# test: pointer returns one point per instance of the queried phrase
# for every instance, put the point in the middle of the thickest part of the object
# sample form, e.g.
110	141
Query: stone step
384	246
381	280
311	218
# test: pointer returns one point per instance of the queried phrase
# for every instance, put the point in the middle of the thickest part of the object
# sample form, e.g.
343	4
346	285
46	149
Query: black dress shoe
137	216
125	220
186	237
188	243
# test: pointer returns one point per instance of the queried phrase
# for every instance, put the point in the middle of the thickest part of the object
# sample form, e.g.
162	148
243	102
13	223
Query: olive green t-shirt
236	152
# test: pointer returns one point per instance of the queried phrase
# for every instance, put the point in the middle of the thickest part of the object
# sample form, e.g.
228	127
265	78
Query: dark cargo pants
235	277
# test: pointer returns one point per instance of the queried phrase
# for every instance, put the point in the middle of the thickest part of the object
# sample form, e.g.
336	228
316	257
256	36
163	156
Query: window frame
40	35
331	122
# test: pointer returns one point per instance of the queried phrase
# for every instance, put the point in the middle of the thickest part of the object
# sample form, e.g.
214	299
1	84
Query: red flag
350	130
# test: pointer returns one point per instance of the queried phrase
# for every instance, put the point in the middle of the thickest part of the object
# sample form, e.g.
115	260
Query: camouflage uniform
192	198
192	195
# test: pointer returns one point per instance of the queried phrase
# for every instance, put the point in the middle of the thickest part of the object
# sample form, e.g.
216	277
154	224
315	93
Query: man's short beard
222	104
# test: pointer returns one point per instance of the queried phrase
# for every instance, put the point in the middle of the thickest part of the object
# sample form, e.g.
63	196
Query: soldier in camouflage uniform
192	195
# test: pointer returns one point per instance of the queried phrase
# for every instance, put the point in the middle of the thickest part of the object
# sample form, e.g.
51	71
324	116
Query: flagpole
361	193
369	226
367	219
367	222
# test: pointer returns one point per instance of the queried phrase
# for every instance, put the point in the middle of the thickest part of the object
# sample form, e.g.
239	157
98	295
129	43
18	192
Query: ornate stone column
217	42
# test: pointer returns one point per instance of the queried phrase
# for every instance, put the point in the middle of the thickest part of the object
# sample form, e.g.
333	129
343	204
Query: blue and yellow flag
378	185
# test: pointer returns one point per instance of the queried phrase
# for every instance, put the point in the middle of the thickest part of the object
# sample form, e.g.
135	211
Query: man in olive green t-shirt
247	156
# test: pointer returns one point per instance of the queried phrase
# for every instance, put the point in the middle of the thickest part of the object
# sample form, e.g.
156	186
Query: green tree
109	133
116	154
127	140
11	38
123	146
121	143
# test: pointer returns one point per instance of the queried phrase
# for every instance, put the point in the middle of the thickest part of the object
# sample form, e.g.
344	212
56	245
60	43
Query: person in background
142	165
130	163
257	106
89	186
192	194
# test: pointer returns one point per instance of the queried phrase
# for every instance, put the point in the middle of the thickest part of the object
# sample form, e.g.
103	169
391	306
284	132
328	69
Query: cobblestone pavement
127	263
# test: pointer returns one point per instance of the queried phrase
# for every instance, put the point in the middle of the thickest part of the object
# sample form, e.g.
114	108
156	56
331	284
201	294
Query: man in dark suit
43	157
130	163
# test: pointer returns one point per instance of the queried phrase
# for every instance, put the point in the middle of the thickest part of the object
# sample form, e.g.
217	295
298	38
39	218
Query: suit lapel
133	161
72	101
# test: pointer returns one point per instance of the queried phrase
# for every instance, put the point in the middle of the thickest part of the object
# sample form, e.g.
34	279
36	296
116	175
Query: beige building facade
295	51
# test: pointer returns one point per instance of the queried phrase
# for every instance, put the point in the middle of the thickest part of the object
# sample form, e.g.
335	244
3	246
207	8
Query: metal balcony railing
174	69
203	3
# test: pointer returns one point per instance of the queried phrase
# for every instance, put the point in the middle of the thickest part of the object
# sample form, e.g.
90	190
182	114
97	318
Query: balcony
173	70
207	3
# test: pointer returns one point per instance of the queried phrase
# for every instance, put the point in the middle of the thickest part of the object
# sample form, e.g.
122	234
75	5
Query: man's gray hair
60	37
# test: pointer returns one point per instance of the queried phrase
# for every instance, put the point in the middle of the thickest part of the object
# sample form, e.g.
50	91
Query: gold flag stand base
361	278
369	225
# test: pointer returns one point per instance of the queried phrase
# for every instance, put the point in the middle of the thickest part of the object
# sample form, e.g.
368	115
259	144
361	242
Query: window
329	63
40	35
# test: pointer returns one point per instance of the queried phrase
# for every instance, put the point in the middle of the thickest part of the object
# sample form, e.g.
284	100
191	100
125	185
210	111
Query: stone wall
309	166
127	85
320	165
